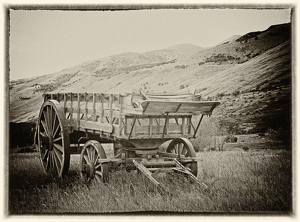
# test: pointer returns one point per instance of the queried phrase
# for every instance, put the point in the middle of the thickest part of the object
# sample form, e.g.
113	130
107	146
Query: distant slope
256	62
230	39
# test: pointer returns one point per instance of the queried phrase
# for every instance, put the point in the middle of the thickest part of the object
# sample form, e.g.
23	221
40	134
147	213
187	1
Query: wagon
136	124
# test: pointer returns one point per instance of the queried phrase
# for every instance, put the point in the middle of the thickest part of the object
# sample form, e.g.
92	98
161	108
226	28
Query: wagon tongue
178	107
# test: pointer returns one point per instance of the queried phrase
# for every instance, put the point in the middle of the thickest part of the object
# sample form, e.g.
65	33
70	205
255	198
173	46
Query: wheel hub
90	170
49	142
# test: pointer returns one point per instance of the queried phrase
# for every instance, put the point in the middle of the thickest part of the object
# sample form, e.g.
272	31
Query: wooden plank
158	106
106	127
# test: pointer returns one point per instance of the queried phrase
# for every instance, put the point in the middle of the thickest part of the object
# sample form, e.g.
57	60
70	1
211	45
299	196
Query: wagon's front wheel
184	147
53	139
89	165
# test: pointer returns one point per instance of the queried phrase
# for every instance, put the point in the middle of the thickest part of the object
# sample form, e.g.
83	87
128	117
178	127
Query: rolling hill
249	74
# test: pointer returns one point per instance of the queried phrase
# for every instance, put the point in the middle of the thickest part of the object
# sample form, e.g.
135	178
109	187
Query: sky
47	41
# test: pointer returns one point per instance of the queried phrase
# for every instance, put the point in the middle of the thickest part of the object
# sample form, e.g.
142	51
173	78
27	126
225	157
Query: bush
236	93
231	139
182	86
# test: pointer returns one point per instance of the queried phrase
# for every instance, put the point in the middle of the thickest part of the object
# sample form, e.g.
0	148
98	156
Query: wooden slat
65	101
71	111
110	108
78	110
102	107
183	126
86	106
94	107
150	126
120	114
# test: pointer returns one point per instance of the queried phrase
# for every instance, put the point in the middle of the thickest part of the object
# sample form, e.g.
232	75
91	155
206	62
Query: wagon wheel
184	147
90	169
53	139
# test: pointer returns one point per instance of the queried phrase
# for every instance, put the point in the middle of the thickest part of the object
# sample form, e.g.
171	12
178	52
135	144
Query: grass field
257	181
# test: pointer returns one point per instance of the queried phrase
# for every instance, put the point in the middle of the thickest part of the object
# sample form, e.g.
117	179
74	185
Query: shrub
182	86
236	93
231	139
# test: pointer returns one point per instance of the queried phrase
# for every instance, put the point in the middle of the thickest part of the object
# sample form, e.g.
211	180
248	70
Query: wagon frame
136	124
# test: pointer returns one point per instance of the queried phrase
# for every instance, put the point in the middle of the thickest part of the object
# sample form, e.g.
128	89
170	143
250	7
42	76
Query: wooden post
120	116
86	106
65	102
102	107
71	108
110	108
94	107
125	127
150	126
78	111
183	126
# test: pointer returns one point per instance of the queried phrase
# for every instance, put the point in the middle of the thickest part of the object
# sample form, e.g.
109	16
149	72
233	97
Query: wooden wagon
136	125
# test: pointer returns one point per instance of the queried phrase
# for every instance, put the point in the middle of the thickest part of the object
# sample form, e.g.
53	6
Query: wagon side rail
127	116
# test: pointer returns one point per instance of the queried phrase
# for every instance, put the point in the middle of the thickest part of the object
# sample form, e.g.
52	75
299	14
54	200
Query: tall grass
238	182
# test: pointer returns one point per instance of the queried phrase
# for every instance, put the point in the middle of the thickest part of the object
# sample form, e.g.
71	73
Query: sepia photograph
139	109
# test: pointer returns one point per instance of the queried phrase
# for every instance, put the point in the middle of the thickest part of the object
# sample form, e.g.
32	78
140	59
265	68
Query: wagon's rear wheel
53	139
90	168
184	147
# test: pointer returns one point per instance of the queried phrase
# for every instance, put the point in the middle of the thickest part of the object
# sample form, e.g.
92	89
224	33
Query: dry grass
244	182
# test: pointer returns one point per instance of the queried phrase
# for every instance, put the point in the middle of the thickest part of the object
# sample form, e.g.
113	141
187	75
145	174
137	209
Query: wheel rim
184	147
53	140
90	168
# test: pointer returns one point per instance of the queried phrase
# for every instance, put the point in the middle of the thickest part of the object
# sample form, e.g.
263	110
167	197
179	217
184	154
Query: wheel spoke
48	163
176	148
59	147
54	122
98	178
92	155
49	119
45	155
57	139
43	134
99	165
46	121
180	146
89	154
86	158
44	124
58	154
98	172
184	151
96	159
57	163
55	132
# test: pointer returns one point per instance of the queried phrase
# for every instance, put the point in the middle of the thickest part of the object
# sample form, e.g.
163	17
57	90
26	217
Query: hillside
250	75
